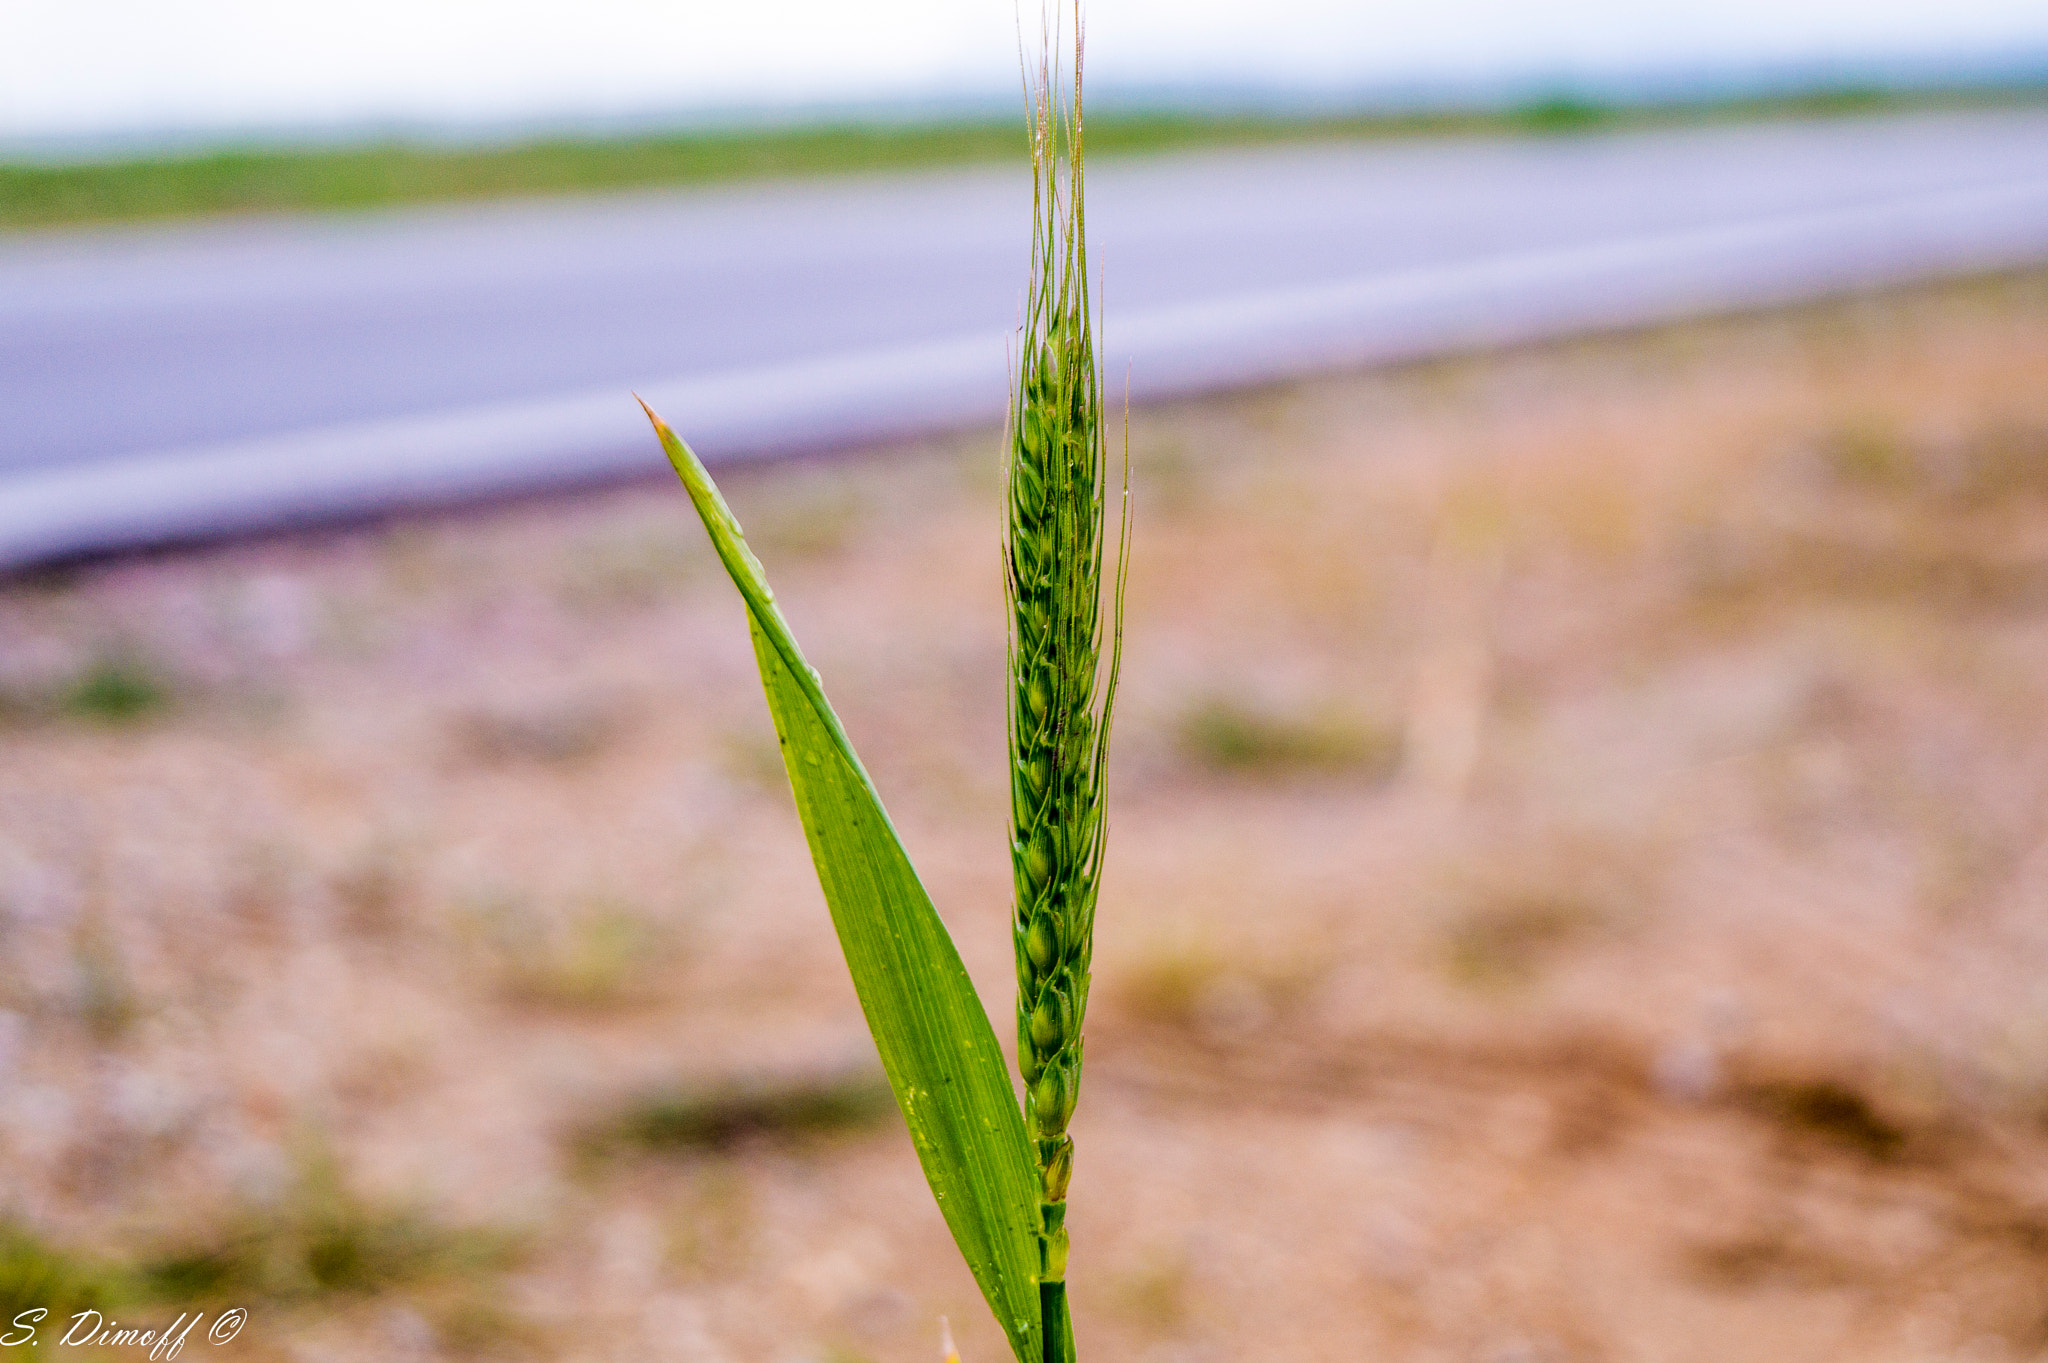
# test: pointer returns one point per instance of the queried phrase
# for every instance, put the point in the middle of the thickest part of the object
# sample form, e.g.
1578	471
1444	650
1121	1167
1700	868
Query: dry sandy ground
1579	888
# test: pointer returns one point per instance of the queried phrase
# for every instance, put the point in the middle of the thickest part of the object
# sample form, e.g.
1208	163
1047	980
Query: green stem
1059	1330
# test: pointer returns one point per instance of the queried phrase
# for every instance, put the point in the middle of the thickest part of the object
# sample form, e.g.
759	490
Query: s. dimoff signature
92	1329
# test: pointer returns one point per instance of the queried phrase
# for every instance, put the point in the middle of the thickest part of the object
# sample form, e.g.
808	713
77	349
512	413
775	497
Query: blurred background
147	73
1578	887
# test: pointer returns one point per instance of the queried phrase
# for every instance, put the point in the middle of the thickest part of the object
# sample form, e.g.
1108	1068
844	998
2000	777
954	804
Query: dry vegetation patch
1576	891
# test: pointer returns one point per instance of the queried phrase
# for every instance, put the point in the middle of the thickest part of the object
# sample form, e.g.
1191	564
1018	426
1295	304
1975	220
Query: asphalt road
170	382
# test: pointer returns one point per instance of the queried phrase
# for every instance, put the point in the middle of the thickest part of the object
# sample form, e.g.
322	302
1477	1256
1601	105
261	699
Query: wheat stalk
1059	704
999	1175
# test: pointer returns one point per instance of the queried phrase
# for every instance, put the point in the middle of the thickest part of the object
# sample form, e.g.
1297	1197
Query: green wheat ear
1060	703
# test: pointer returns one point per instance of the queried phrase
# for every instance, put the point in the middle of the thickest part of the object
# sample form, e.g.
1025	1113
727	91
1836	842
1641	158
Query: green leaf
937	1047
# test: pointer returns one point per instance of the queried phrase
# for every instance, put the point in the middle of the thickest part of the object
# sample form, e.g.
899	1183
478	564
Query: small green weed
115	689
1228	735
321	1239
34	1274
723	1113
118	689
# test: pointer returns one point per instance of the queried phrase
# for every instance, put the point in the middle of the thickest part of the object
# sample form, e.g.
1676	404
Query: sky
99	67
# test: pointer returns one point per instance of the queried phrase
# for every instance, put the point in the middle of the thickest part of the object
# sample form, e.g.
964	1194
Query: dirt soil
1578	888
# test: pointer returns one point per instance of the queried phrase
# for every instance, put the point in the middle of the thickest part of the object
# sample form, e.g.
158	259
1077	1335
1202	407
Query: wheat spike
1060	700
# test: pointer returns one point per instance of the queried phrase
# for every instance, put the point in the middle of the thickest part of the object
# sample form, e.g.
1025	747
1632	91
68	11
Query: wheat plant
998	1173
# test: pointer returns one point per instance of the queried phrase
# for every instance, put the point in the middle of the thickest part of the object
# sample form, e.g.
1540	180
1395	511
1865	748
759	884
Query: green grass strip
297	179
